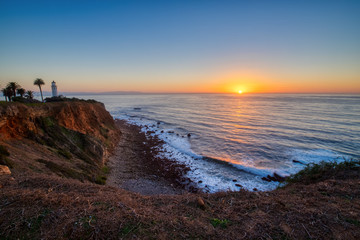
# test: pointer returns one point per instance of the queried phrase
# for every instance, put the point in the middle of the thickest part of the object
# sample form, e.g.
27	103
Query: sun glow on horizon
240	91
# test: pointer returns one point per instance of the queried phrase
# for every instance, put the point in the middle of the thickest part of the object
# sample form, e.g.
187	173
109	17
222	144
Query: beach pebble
4	170
200	181
189	135
201	203
254	189
238	185
234	180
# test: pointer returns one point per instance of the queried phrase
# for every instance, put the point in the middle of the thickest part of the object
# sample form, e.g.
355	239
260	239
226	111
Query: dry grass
64	208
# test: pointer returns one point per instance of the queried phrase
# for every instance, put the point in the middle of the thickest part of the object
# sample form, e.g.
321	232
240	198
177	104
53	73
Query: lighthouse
54	89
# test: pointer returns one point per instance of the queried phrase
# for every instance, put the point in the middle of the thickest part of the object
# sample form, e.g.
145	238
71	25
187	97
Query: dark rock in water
189	135
296	161
162	131
170	131
200	181
265	179
275	178
177	134
234	180
158	123
238	185
137	108
271	178
279	178
255	189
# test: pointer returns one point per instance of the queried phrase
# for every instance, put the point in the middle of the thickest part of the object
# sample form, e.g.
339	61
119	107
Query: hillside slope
70	139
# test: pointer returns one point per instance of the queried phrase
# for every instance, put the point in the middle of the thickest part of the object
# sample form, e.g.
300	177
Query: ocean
235	140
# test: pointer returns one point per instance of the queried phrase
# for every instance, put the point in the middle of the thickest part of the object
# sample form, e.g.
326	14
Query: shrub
221	223
24	100
65	99
64	153
324	170
4	153
100	180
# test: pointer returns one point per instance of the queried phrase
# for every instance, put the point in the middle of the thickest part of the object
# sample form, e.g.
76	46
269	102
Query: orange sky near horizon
248	81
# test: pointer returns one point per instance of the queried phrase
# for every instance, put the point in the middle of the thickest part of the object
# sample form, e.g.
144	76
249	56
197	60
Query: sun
240	91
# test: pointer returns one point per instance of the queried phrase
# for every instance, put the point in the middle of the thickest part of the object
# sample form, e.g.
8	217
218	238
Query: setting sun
240	92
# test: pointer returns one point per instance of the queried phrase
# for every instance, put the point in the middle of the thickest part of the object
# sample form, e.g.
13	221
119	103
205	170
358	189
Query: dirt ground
128	165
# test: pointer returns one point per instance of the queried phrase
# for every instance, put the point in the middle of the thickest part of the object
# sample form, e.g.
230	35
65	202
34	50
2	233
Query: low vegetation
325	170
66	99
4	160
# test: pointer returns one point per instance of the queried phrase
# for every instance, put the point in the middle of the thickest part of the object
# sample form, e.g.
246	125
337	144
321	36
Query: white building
54	89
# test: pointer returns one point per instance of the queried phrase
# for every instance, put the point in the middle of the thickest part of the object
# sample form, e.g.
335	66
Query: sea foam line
214	176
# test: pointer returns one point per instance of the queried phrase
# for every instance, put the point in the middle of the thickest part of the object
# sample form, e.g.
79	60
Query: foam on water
214	175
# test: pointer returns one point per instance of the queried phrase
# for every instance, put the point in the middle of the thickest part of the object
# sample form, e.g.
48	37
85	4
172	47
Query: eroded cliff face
17	120
70	139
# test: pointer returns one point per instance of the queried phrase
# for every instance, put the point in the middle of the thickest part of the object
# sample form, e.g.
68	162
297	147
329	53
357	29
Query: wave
213	174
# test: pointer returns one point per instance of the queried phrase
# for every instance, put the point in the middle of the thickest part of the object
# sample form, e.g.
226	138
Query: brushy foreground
50	207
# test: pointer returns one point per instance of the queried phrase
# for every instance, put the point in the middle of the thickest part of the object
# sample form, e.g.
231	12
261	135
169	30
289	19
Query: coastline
45	198
135	165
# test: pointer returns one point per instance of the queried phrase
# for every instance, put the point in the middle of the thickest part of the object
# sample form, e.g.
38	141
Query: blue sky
182	46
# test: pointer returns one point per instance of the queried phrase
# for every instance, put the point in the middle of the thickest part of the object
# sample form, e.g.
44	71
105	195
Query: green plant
100	179
34	223
64	153
62	170
218	222
315	172
105	169
128	228
353	221
87	221
4	153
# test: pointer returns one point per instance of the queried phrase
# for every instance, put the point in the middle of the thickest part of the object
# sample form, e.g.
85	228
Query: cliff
70	139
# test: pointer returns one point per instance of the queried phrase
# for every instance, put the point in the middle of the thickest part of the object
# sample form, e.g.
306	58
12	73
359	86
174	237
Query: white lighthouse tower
54	89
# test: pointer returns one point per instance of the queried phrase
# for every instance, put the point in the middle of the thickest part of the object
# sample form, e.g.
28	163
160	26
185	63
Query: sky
182	46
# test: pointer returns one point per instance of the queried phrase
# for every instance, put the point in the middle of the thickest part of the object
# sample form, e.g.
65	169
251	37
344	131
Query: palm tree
21	92
4	92
40	82
13	86
29	94
9	92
